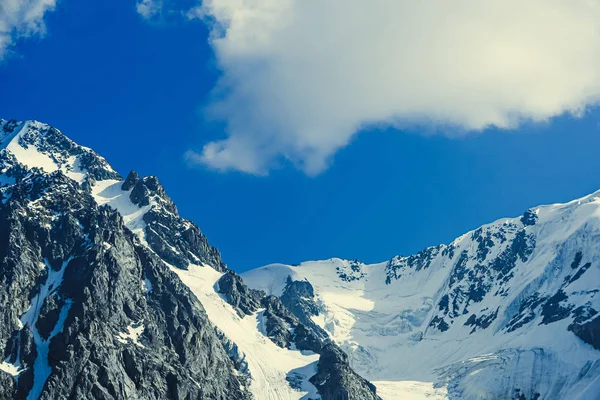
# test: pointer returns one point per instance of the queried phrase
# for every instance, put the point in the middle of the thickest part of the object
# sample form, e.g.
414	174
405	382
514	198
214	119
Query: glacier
494	314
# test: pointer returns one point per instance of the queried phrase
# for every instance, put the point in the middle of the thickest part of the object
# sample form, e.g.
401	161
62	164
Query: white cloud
21	18
301	77
149	9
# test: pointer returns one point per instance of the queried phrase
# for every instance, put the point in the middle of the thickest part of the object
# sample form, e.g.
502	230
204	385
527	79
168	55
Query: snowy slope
492	315
109	192
269	365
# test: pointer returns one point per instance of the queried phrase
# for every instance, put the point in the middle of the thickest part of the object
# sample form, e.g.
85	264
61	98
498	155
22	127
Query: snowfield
409	390
364	319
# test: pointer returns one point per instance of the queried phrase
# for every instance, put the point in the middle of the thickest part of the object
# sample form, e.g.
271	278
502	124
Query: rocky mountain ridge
113	295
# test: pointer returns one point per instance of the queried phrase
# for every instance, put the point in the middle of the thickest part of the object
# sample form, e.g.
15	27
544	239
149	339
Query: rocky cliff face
96	278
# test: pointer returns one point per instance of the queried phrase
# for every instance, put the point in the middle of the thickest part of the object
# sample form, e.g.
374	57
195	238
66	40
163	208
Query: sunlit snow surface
385	327
363	319
109	192
29	156
409	390
268	363
9	368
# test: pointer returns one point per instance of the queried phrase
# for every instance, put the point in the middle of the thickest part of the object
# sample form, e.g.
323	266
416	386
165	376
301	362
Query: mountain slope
111	294
509	310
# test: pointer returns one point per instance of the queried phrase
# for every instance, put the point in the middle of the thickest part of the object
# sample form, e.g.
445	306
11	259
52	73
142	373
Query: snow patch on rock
134	331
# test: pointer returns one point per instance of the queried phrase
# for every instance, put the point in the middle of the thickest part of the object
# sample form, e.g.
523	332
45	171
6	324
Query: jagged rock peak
38	145
147	190
132	178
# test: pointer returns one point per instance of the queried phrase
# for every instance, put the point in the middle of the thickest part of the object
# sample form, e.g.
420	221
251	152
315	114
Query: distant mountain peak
508	310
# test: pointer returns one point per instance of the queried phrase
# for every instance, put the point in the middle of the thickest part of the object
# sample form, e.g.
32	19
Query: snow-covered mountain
507	311
108	293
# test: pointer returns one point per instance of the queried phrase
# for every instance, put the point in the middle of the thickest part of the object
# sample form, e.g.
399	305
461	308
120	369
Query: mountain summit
110	294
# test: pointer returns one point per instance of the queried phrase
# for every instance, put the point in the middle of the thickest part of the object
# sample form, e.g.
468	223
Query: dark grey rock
589	332
335	380
245	300
556	308
176	240
529	218
7	386
577	260
397	266
474	276
59	148
299	298
280	324
481	321
130	181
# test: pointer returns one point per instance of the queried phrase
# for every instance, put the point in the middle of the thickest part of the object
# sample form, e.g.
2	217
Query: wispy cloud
149	9
21	18
301	77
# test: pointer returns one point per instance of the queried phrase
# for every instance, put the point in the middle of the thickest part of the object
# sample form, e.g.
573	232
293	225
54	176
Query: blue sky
137	92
